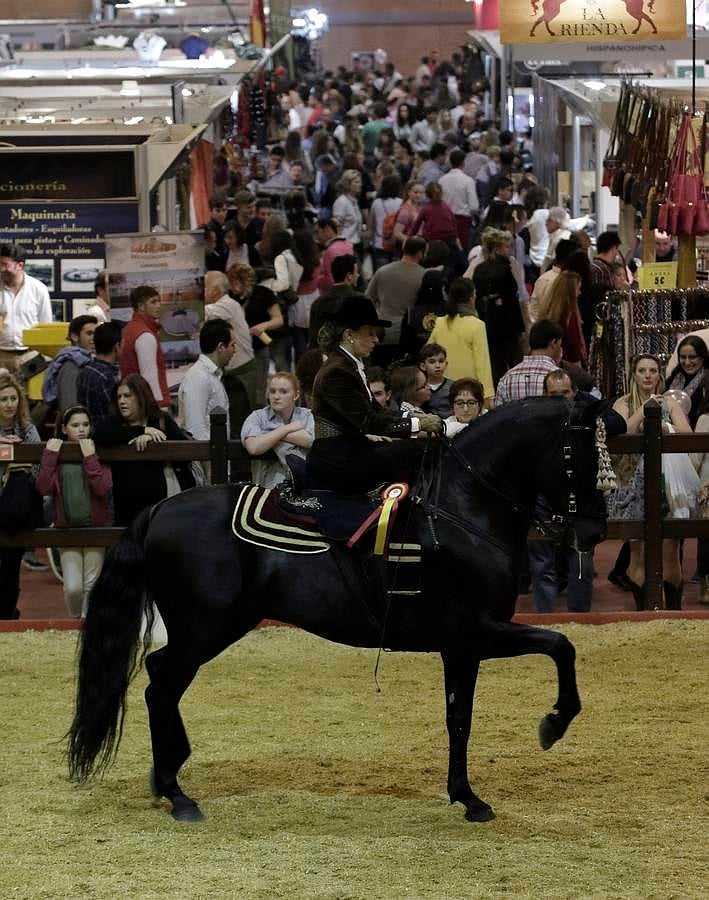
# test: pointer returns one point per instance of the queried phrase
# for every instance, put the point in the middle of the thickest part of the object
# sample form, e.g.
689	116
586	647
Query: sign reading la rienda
570	21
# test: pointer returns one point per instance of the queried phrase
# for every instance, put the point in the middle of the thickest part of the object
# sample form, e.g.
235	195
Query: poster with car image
172	263
78	276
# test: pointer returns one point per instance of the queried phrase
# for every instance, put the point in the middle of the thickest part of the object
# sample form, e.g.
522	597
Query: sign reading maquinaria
570	21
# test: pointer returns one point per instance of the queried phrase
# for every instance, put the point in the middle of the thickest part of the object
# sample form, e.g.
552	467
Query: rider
353	451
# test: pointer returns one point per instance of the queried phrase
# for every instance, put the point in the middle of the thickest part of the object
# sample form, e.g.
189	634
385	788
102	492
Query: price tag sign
658	276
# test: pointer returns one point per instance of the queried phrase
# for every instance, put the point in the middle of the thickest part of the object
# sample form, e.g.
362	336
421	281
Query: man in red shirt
141	352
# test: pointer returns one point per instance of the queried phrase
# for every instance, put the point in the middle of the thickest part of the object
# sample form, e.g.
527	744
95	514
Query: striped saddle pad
259	520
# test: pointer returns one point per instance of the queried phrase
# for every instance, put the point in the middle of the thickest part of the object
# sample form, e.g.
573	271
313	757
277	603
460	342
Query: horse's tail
108	653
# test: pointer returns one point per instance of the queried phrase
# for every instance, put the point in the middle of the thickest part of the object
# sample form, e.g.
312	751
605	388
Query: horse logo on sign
551	9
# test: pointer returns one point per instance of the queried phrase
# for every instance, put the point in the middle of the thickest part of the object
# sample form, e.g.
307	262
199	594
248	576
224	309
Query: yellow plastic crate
48	338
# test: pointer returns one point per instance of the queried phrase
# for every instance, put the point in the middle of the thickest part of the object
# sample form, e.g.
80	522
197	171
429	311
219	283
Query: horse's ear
587	413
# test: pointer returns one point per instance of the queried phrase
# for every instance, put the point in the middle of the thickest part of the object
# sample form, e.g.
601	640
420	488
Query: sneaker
30	561
55	562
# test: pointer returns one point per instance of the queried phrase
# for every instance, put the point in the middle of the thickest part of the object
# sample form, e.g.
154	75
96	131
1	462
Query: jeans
381	258
552	566
281	351
80	569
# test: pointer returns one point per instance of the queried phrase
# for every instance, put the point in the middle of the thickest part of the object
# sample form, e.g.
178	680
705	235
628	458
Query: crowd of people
396	272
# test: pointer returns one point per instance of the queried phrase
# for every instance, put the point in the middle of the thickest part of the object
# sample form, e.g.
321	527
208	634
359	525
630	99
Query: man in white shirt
460	194
425	133
202	392
24	303
239	378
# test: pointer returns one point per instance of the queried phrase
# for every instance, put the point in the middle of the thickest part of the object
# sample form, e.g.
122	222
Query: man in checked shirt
526	379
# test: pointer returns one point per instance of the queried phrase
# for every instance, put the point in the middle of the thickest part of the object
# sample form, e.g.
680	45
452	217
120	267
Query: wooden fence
223	454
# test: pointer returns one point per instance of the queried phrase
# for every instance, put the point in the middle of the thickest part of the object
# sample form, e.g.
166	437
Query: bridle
555	527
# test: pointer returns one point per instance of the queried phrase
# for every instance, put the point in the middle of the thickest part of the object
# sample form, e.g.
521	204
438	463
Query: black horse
212	589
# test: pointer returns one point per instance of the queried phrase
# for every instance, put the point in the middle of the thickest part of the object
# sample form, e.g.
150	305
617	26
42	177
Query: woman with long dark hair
691	373
404	122
561	305
136	421
577	261
15	428
307	253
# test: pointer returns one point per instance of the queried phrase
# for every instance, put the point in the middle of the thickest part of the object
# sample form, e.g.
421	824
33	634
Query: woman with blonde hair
497	301
561	305
346	208
627	500
414	197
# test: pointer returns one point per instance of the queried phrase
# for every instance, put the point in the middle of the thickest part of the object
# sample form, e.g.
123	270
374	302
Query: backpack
388	240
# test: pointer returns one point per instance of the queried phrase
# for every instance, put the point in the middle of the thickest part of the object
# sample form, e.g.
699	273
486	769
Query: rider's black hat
358	310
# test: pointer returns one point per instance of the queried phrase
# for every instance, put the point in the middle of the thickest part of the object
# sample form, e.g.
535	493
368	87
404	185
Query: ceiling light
134	120
186	92
79	120
595	85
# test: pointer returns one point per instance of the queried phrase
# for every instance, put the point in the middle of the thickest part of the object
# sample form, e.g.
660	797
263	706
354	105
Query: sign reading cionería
571	21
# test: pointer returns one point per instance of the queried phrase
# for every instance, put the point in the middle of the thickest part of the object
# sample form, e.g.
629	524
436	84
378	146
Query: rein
554	527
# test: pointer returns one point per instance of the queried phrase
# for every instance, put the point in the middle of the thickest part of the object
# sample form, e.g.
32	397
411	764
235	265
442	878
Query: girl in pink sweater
80	492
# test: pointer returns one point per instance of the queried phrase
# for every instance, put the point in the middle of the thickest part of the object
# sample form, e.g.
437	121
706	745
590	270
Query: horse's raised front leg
169	679
505	639
460	673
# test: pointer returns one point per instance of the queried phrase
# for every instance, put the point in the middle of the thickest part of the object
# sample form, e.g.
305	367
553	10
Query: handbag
287	298
21	507
685	208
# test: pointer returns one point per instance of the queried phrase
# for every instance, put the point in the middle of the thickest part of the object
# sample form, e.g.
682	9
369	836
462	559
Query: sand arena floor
316	786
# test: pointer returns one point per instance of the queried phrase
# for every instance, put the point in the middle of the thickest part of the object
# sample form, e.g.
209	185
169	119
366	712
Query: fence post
218	448
652	463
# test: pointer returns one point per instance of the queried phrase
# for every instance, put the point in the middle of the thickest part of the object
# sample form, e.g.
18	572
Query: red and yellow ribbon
391	497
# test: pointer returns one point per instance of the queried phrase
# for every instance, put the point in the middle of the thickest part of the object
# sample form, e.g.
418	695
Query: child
433	360
80	492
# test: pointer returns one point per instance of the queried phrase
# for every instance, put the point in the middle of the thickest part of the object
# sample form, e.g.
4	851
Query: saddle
302	517
338	516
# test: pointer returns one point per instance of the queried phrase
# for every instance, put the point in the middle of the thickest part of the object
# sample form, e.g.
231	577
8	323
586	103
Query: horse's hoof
551	729
153	783
479	812
186	811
